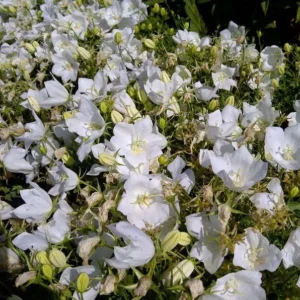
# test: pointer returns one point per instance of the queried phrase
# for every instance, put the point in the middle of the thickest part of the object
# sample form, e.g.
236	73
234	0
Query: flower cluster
159	158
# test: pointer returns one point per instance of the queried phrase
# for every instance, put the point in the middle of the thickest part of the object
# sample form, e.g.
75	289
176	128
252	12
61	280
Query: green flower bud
29	47
165	77
213	104
133	112
118	38
26	75
186	25
12	9
143	26
42	258
131	91
171	31
107	159
68	160
35	44
156	8
170	241
103	107
57	258
275	83
184	239
79	2
163	160
48	272
43	149
85	54
294	192
82	282
149	44
142	96
230	100
150	27
259	33
163	12
287	48
214	51
136	29
162	123
116	117
281	69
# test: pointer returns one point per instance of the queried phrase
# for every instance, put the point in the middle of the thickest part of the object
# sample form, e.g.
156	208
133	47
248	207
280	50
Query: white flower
34	241
14	161
6	211
239	170
282	147
242	285
138	142
223	79
291	250
62	178
88	124
269	201
254	252
139	249
186	179
205	93
271	58
70	275
37	205
65	66
208	230
58	94
143	202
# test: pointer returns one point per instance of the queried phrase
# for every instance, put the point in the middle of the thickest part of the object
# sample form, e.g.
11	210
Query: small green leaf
264	6
294	206
235	211
196	21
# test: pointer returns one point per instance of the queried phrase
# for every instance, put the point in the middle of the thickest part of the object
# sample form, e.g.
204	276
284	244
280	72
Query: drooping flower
139	249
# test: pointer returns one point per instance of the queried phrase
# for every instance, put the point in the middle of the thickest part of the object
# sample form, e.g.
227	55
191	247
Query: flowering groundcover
140	161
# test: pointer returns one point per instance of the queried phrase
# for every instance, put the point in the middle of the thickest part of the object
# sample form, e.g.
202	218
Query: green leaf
196	21
298	15
294	206
235	211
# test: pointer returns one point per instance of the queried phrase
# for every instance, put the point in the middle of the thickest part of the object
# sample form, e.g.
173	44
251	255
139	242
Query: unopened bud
230	100
107	159
85	54
42	258
35	44
156	8
29	47
103	107
281	69
182	271
259	33
12	9
131	91
275	83
294	192
57	258
34	103
43	149
118	38
163	160
287	48
82	283
165	77
170	241
48	272
174	106
213	104
163	12
142	96
214	51
26	75
162	123
133	112
116	117
150	27
184	239
143	26
186	25
68	160
149	44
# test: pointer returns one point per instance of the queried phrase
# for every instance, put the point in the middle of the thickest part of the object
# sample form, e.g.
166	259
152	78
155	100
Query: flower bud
136	29
259	33
48	272
143	26
85	54
131	91
174	106
103	107
281	69
156	8
165	77
35	44
171	31
186	25
107	159
142	96
275	83
68	160
170	241
150	27
133	112
42	258
214	51
26	75
12	9
29	47
163	160
116	117
230	100
57	258
149	44
34	104
82	282
162	123
182	271
213	104
163	12
118	38
287	48
294	192
184	239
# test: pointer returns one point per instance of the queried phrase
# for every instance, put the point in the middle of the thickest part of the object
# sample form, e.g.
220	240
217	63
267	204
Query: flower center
144	199
138	146
288	153
236	178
